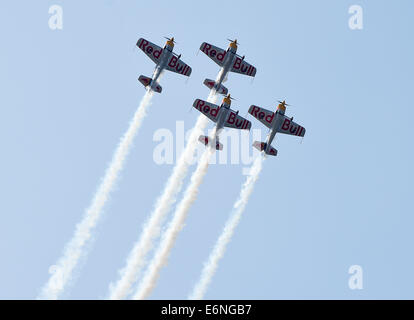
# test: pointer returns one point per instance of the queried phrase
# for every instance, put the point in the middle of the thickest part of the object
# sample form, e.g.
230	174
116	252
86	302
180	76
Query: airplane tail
148	83
261	146
205	140
212	84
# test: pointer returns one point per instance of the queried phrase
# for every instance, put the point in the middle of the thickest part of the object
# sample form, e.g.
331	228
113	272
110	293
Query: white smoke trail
152	228
74	250
211	265
176	224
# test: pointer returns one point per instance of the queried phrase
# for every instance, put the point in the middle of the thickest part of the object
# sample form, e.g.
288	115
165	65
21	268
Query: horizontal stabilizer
261	146
219	88
148	83
205	140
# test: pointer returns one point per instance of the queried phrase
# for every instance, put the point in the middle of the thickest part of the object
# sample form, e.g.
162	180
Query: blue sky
342	197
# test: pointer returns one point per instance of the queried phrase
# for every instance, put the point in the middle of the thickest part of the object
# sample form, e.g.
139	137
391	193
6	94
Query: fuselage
166	54
276	124
227	63
222	116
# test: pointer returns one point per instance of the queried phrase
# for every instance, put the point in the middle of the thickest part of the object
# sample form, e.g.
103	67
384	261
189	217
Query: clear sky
341	198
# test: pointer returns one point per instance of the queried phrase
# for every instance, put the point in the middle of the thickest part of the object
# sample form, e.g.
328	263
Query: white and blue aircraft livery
223	116
229	60
276	122
165	59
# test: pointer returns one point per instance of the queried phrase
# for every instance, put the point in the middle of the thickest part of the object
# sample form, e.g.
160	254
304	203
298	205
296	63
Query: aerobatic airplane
229	60
223	116
276	122
165	59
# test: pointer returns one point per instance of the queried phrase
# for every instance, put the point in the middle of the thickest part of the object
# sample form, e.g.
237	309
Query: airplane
276	122
223	116
165	59
229	60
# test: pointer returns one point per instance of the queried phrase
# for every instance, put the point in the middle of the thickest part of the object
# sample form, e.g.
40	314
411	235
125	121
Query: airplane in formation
165	59
276	122
223	116
229	60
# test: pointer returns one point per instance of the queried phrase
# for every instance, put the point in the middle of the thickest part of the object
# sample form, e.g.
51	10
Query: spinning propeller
284	103
235	41
170	39
229	96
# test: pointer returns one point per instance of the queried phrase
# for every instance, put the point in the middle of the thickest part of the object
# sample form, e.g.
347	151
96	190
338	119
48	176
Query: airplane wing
150	49
264	116
208	109
288	126
214	53
242	67
236	121
178	66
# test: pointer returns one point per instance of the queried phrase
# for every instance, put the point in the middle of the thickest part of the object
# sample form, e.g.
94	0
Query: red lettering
286	124
252	71
248	125
254	111
157	53
143	44
220	56
200	104
206	48
178	67
213	53
231	118
149	49
269	118
244	68
173	62
214	111
203	107
237	63
239	122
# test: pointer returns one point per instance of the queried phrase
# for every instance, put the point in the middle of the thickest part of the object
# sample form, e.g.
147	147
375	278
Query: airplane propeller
170	39
229	96
287	105
235	41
